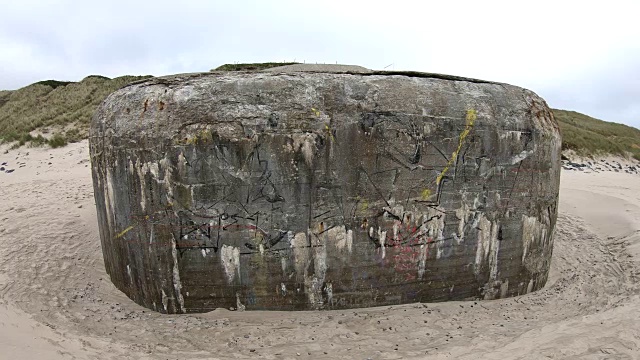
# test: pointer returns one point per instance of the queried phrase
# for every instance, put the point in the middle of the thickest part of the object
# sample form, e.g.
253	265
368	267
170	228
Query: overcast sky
578	55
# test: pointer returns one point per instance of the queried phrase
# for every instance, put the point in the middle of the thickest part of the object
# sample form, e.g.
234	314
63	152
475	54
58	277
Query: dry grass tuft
588	136
54	104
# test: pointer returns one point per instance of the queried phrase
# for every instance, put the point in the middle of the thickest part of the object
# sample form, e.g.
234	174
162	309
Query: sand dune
56	301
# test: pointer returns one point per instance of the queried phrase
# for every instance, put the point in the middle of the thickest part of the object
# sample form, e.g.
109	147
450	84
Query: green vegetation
251	67
57	140
64	106
54	83
65	109
99	77
588	136
4	97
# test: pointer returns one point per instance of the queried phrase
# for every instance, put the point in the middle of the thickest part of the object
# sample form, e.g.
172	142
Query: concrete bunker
322	190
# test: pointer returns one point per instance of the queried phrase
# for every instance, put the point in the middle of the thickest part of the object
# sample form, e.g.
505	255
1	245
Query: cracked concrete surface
221	189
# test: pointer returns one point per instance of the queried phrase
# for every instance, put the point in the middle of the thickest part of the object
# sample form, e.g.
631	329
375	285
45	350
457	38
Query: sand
56	301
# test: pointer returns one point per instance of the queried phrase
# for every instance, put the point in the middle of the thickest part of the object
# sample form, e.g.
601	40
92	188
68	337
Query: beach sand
57	302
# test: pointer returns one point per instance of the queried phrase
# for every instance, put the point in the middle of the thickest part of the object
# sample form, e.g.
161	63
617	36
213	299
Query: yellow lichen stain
471	117
426	193
329	132
192	140
123	232
364	206
201	137
258	239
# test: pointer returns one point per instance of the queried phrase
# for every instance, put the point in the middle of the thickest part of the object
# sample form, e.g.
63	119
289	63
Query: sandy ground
56	301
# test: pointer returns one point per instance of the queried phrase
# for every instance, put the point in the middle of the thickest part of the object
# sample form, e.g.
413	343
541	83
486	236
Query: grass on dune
63	105
589	136
67	108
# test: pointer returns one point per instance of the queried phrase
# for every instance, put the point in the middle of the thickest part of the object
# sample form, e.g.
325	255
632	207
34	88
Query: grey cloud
609	91
69	40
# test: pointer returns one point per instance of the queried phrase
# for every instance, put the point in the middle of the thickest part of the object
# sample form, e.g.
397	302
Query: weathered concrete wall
323	191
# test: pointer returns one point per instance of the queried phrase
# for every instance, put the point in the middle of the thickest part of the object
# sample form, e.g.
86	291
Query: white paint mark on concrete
177	285
165	300
313	289
150	167
462	214
110	199
300	248
494	249
382	236
306	144
422	261
328	289
143	188
166	165
341	237
484	241
182	164
504	288
320	256
313	283
511	134
230	256
239	305
531	230
518	158
307	150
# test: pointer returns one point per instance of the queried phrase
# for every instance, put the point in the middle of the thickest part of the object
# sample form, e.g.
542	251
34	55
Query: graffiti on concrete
420	192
